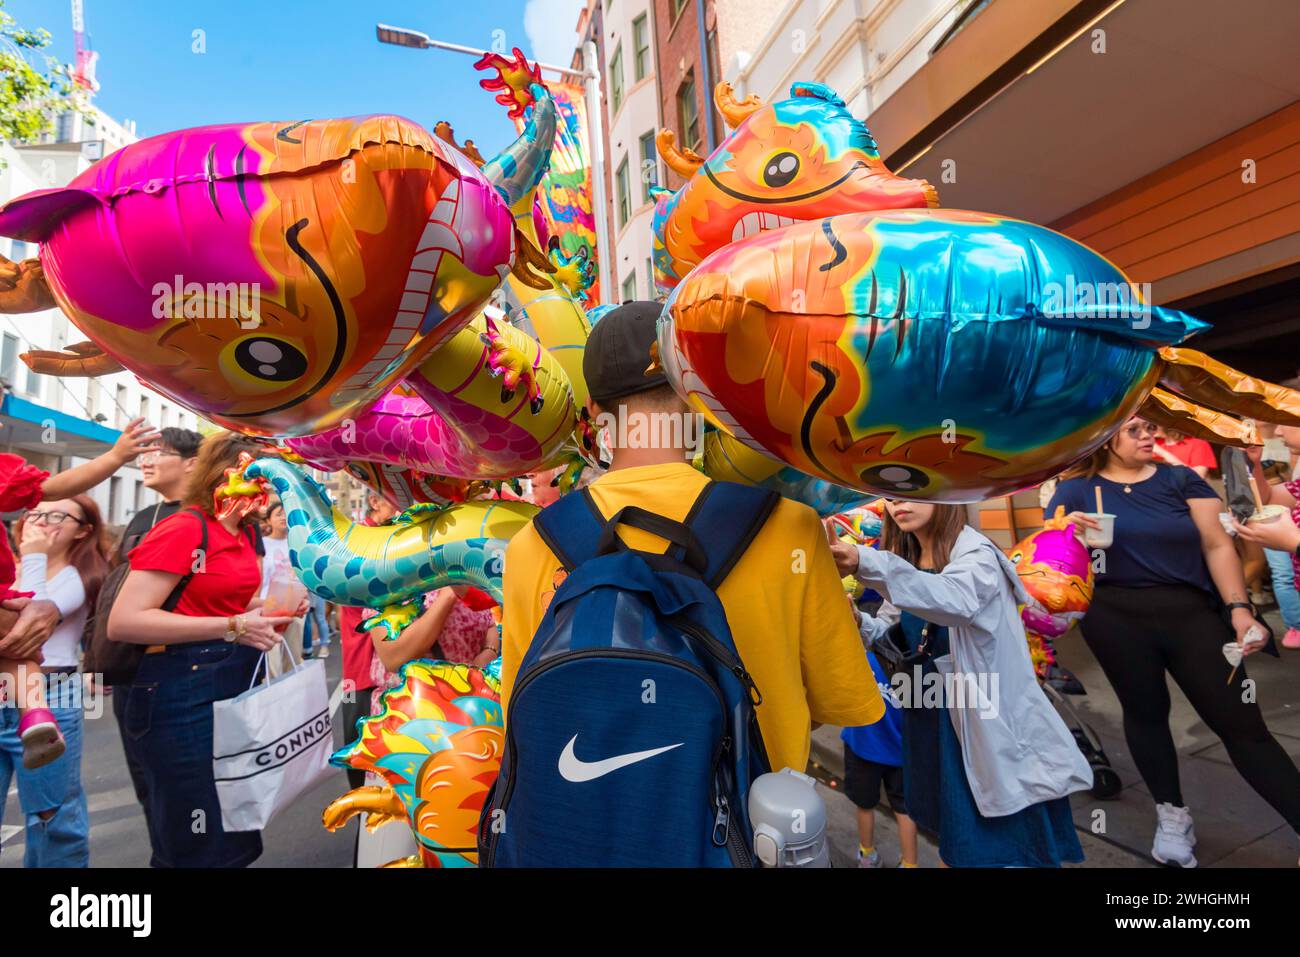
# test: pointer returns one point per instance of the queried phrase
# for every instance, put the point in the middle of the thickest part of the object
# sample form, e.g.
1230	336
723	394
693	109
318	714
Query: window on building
624	194
139	497
675	7
629	286
688	114
144	407
640	47
119	412
616	80
34	383
9	360
163	416
649	278
649	165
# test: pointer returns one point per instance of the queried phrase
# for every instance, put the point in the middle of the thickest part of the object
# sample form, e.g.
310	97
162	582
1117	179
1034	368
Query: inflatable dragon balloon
904	350
436	744
275	278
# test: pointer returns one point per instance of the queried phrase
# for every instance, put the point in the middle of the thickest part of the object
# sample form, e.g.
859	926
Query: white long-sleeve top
1016	749
65	589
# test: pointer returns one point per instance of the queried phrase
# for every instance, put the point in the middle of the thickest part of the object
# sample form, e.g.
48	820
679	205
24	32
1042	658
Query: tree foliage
34	86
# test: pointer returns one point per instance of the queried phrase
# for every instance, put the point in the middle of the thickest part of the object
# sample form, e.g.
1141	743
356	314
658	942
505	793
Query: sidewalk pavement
1234	826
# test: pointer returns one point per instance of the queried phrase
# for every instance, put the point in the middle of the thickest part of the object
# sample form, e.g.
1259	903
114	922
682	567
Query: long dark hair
945	525
88	554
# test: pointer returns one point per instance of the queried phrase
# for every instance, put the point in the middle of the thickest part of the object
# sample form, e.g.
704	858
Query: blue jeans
1284	590
168	717
61	839
316	627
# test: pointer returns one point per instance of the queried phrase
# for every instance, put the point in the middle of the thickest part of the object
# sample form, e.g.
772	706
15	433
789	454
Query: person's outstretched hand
137	438
1281	535
846	557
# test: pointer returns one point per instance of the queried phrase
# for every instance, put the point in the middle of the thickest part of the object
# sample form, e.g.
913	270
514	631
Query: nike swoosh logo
576	770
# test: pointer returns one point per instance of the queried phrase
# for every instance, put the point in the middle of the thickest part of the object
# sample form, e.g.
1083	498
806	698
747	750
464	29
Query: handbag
118	661
271	744
893	654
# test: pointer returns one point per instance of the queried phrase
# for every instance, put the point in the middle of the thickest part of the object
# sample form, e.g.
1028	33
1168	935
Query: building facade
58	423
624	33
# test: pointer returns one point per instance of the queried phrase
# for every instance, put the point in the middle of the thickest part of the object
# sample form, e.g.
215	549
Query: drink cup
283	597
1266	514
1103	537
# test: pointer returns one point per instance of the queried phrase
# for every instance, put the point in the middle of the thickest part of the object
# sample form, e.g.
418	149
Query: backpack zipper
590	653
724	656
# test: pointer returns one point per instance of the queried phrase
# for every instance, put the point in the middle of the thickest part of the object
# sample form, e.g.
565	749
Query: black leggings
1137	634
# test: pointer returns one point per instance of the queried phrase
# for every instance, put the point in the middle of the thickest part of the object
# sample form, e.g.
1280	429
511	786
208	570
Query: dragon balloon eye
897	478
271	359
781	169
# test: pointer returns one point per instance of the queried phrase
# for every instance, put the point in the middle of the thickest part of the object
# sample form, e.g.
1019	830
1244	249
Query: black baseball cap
618	352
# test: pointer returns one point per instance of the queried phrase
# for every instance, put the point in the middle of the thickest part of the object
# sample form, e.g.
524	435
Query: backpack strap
178	589
725	519
571	527
719	527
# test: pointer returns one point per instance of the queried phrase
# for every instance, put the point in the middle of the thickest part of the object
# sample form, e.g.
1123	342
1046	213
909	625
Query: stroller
1060	685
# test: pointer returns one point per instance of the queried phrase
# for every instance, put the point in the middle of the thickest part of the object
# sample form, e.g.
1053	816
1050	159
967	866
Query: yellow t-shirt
784	602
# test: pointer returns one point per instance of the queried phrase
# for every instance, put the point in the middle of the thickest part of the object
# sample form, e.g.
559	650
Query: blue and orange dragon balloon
823	314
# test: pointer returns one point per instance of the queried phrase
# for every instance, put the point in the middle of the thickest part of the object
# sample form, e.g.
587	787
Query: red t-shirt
358	649
229	576
1192	452
20	487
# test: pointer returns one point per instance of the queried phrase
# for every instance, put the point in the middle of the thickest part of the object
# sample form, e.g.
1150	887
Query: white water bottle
789	820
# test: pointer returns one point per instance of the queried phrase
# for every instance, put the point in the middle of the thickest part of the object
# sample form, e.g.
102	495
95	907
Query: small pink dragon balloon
1056	570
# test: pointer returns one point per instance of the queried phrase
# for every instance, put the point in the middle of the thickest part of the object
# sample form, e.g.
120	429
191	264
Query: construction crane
83	71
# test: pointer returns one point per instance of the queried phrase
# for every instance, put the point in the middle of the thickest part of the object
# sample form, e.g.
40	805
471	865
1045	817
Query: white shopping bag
270	745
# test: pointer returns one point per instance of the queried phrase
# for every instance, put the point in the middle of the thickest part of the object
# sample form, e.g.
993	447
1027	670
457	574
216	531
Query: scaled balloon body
919	359
273	277
437	745
490	403
389	566
1056	570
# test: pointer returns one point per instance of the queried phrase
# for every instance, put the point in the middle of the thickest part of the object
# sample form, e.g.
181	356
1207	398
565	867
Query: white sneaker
324	651
1175	838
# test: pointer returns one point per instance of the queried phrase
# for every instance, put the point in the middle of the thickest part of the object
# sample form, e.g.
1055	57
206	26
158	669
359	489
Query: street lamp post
590	79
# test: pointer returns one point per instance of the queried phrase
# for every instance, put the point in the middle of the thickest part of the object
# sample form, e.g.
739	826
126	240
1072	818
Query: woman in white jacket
987	760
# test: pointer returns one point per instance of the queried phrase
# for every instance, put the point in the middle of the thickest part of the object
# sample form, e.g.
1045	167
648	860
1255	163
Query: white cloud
551	28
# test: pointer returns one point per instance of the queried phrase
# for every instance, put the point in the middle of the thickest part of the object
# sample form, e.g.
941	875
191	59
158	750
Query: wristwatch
234	628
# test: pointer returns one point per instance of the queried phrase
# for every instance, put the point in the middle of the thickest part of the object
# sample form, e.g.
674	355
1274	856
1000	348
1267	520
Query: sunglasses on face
151	458
52	518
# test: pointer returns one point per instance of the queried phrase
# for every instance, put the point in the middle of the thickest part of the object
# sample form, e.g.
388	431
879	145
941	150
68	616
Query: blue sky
301	59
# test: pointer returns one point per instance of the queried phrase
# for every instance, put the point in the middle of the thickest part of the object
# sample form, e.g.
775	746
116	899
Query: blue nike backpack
631	736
